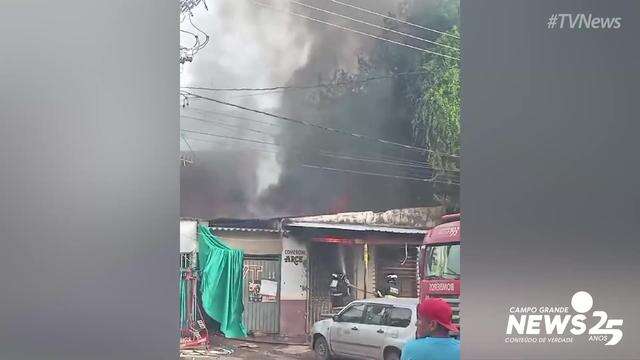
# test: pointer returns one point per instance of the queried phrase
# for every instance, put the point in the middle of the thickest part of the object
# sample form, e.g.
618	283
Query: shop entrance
324	260
261	294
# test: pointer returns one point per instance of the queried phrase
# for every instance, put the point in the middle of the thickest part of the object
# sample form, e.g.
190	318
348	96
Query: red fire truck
439	265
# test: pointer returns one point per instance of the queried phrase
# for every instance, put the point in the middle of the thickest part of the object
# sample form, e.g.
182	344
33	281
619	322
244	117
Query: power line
394	19
185	159
388	161
377	174
262	93
187	5
206	40
350	157
320	153
380	161
186	54
188	145
324	128
400	177
355	31
391	161
301	122
223	124
229	137
373	25
233	116
392	158
303	87
195	37
384	157
246	148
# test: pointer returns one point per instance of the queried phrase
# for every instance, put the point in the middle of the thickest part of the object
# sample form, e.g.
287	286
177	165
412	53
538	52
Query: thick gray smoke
257	47
250	47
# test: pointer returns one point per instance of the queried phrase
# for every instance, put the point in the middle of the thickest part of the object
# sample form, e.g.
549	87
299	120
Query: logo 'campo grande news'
562	324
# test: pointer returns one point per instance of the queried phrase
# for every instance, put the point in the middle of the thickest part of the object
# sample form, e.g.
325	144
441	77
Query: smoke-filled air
354	125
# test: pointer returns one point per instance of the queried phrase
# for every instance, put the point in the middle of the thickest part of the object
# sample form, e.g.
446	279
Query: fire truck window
375	314
453	263
438	259
443	261
353	313
399	317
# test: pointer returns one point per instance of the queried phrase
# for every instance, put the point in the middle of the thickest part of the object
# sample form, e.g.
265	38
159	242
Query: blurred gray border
89	179
550	195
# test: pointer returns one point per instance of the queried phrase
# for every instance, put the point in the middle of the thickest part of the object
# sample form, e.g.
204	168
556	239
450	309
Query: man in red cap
434	326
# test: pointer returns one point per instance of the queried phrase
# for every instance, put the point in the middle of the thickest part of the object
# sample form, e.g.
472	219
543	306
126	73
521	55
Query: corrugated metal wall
323	261
389	261
261	315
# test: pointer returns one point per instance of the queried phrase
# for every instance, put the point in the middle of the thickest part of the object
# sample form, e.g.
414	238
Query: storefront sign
295	256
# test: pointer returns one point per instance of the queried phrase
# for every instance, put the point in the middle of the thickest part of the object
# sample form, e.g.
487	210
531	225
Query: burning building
289	262
366	247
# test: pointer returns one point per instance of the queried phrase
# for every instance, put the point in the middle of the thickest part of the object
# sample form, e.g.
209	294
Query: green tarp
183	302
221	282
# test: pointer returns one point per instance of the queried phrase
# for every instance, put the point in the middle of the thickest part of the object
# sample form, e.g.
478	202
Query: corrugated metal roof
409	220
219	228
356	227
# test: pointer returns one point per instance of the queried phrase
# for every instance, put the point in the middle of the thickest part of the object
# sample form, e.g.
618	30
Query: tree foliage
436	124
427	106
395	108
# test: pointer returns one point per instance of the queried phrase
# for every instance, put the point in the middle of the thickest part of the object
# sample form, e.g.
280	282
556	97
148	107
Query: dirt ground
243	350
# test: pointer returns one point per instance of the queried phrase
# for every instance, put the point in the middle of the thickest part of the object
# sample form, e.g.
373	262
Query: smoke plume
255	47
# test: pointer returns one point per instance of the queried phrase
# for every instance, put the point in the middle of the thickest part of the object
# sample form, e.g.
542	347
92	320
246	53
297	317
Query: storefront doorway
261	294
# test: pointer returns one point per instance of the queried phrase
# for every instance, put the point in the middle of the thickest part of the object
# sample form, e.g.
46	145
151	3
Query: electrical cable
223	124
206	40
233	116
324	128
195	36
344	157
385	157
304	87
355	31
187	54
373	25
241	148
321	152
394	19
188	145
377	174
400	177
229	137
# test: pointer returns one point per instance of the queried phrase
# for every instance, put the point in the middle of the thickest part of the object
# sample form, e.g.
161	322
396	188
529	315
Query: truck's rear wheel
321	349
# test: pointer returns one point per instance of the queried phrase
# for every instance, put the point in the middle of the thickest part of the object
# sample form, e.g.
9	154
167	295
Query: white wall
188	235
252	242
294	276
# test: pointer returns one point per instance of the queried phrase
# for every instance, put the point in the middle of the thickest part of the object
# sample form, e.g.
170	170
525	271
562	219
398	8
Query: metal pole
365	252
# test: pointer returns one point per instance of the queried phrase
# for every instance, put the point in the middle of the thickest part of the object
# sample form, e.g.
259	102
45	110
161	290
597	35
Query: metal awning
222	228
356	227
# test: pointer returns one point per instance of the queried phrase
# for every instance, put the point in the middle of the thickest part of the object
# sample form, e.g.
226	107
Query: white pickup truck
367	329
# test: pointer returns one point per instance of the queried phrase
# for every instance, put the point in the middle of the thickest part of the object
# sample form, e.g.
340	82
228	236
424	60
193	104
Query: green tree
436	124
